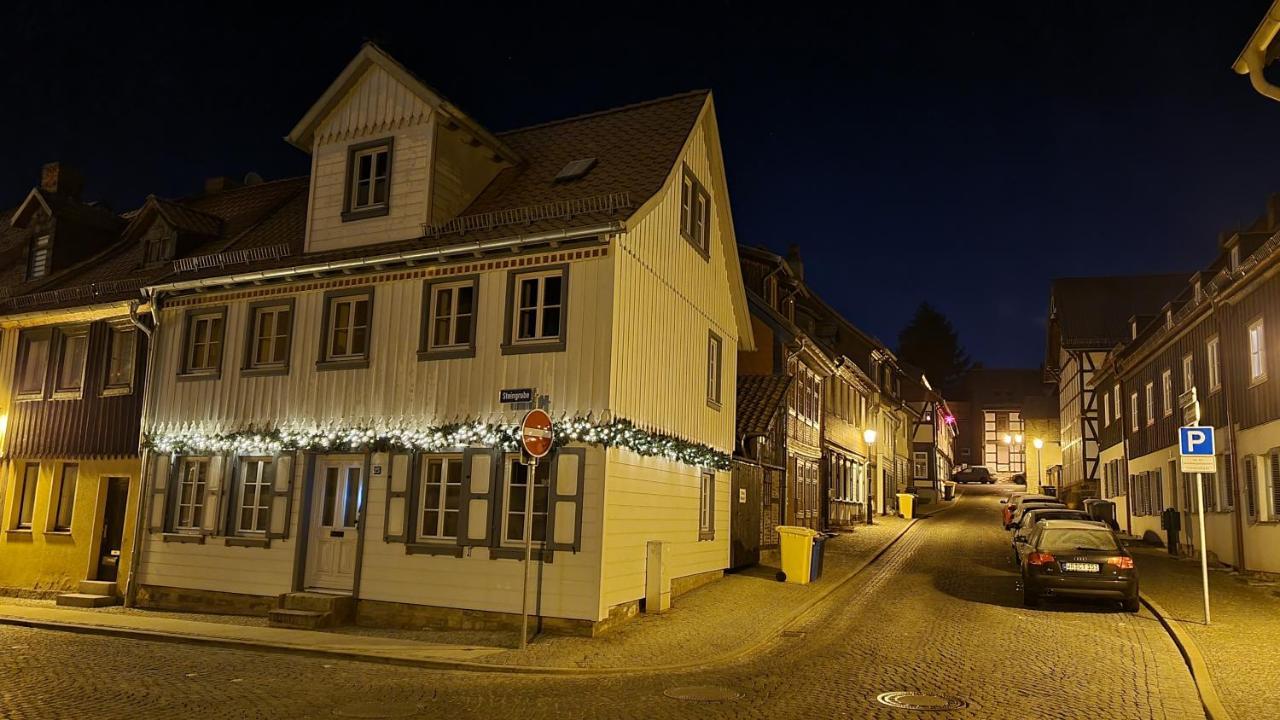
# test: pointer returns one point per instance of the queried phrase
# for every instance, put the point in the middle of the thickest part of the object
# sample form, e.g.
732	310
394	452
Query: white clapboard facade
324	410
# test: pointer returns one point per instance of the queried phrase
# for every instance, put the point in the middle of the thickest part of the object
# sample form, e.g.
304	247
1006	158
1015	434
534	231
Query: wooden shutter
1273	486
213	495
1228	482
405	471
163	476
279	517
481	468
1251	485
564	516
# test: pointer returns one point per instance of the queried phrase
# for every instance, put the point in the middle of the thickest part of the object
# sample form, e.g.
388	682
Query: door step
98	587
87	600
312	610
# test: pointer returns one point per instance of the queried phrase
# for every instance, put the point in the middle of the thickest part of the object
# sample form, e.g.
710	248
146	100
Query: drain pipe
144	480
1238	508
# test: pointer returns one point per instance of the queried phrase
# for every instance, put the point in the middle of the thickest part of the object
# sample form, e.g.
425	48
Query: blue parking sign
1195	440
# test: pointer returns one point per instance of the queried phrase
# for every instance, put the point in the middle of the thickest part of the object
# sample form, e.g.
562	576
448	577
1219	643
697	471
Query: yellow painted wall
39	559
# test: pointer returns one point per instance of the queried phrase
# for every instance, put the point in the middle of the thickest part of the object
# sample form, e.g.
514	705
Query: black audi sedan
1069	558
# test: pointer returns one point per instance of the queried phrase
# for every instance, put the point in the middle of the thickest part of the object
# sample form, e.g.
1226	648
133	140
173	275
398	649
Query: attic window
575	169
38	258
1235	257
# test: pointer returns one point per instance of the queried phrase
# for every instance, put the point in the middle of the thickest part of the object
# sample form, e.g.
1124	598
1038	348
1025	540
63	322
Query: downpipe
144	480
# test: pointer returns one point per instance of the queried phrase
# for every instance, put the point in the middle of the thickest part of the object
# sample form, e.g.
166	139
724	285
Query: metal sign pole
1204	551
530	482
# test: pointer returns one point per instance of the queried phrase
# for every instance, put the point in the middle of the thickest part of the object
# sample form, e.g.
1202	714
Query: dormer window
1199	291
160	246
368	180
38	258
1235	258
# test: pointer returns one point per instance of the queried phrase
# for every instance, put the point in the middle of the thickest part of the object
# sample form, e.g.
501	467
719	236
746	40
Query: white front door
335	513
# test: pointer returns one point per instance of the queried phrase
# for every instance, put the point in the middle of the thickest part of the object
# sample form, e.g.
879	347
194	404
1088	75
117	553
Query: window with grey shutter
1159	483
707	506
564	516
279	518
480	468
1251	486
1273	487
215	496
161	479
1228	479
395	525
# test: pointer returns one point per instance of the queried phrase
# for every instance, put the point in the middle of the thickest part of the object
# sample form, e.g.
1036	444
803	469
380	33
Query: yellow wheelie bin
906	504
797	553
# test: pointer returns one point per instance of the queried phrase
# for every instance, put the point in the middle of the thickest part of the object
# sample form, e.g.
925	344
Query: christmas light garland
614	433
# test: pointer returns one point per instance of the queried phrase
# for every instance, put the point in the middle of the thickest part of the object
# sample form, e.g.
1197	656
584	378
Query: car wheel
782	577
1132	605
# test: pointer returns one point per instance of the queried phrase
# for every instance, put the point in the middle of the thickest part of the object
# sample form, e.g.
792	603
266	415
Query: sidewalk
1240	647
723	619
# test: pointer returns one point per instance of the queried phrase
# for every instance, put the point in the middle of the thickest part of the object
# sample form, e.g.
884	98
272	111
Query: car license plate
1080	567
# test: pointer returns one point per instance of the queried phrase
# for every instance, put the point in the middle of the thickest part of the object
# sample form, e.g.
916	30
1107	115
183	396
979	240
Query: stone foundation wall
682	585
157	597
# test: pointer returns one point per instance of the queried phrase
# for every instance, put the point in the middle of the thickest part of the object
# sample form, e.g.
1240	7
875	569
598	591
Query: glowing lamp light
1038	443
1008	439
1017	439
869	435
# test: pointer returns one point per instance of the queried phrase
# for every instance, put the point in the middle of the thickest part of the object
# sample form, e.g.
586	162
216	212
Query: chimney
218	184
58	178
793	259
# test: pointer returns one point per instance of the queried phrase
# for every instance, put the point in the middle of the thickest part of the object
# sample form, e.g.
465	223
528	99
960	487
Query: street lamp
1039	445
869	437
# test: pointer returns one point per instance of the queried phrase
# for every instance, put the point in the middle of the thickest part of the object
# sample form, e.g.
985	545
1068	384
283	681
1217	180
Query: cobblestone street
939	612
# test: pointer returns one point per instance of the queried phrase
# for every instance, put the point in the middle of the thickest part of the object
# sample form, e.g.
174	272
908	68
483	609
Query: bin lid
795	530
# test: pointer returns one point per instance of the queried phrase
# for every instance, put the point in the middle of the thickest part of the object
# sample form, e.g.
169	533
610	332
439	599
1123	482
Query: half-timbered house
933	434
327	416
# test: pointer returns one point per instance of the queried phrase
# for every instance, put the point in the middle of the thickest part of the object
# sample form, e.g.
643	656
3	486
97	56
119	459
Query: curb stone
1209	698
751	646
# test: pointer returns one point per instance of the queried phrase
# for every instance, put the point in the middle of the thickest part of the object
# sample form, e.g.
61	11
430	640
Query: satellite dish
252	178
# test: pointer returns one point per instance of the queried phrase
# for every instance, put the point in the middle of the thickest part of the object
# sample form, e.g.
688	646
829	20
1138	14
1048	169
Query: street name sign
515	395
1195	449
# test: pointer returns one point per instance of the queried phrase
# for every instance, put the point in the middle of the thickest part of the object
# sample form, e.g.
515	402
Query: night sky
952	153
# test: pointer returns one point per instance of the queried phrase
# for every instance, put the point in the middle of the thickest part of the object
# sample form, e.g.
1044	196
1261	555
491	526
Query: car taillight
1123	563
1039	558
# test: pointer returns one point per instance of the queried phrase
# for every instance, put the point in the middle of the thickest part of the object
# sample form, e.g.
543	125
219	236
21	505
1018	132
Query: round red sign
535	433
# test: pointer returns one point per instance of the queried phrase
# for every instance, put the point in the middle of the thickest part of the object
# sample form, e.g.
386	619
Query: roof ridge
608	111
182	200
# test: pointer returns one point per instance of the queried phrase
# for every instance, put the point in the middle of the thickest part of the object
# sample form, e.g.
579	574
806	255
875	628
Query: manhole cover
703	693
919	701
376	710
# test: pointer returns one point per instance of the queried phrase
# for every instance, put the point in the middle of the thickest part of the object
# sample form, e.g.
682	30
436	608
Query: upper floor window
270	335
448	318
1235	257
1166	392
33	361
1257	352
161	245
535	311
695	213
1133	411
1106	410
38	257
1188	373
1215	372
345	339
203	347
121	344
72	345
715	347
368	180
1151	403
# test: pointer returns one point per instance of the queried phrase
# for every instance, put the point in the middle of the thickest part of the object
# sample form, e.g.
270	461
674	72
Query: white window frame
27	339
373	180
1188	372
349	352
64	500
451	318
1166	393
920	465
1106	410
1257	337
442	508
29	484
695	212
202	345
41	254
1150	389
277	336
66	336
1133	410
715	370
1212	353
254	492
539	308
194	473
544	470
122	343
706	505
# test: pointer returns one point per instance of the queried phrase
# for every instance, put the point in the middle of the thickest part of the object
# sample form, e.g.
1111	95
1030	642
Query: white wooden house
325	411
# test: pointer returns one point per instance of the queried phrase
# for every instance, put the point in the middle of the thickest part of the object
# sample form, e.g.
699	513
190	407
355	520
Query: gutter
1253	59
510	243
42	316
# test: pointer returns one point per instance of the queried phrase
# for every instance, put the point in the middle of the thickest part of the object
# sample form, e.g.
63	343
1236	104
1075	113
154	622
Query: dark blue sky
949	152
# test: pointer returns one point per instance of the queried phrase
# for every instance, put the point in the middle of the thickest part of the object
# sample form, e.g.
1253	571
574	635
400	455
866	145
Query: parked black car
973	473
1069	558
1022	530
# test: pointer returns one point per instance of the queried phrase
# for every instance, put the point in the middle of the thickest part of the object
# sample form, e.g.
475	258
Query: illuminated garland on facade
615	433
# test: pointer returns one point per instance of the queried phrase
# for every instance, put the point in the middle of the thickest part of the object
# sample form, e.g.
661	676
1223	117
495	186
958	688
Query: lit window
253	504
270	328
347	329
121	344
204	343
1151	403
33	361
1257	352
441	489
368	180
1133	411
1106	410
66	497
714	372
1166	392
71	354
1211	351
538	308
38	258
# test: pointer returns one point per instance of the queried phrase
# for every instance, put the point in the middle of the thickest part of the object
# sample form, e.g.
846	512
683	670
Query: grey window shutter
230	508
480	472
280	472
711	503
165	475
213	495
564	516
404	473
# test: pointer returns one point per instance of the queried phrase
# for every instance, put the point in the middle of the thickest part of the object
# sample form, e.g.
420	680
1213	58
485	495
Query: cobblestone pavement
1240	645
938	613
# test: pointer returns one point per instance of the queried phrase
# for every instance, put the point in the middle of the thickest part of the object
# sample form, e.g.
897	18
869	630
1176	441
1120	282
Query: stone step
87	600
299	619
342	607
98	587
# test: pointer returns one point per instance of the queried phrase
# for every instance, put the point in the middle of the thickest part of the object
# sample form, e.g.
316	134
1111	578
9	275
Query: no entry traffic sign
535	433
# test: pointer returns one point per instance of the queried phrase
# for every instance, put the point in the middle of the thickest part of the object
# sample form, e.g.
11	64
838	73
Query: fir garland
614	433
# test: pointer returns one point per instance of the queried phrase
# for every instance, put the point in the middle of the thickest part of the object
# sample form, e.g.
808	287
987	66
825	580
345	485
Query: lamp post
1039	445
869	436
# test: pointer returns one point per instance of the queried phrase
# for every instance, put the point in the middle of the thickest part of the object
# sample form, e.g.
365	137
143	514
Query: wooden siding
1252	405
1164	432
654	499
396	387
90	426
570	583
376	107
668	297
